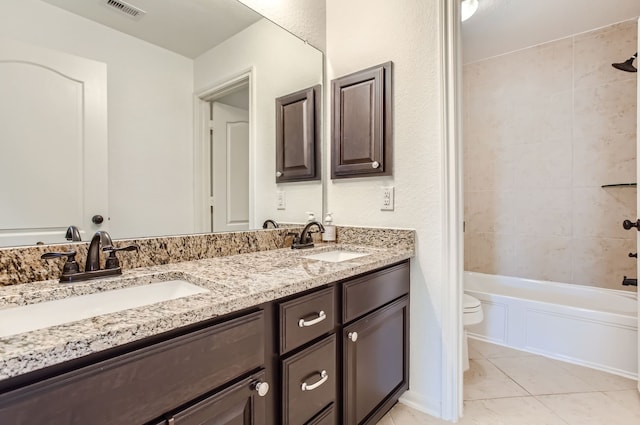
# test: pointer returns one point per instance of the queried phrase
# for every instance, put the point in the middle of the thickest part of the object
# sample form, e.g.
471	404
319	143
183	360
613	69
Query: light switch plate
387	200
281	202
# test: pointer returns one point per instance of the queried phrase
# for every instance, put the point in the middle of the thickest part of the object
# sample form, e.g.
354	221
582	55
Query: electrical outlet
387	201
281	202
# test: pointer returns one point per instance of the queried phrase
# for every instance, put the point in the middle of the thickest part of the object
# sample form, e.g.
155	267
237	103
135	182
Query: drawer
309	382
306	318
327	417
135	387
366	293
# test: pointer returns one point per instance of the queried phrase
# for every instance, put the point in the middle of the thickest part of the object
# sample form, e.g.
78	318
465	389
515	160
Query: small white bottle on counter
311	216
329	234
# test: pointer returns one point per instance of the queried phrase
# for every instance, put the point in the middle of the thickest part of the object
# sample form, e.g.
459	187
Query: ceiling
502	26
187	27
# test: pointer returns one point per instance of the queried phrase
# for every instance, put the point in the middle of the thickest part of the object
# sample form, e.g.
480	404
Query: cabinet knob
261	387
278	173
353	336
375	164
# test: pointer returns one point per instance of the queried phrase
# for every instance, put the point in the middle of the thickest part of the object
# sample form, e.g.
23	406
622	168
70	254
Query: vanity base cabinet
335	355
142	385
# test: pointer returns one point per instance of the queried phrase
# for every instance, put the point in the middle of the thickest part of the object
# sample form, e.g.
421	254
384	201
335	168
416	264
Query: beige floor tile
630	399
386	420
404	415
592	408
598	380
539	375
509	411
484	380
487	350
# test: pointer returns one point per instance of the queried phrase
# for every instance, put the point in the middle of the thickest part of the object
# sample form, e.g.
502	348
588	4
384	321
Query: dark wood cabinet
298	136
240	404
138	386
304	347
362	123
309	382
375	362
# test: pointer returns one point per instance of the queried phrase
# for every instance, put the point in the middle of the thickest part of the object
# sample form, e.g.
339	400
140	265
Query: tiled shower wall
544	129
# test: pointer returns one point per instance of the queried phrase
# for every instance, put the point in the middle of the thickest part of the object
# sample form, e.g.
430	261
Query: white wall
149	113
360	34
304	18
283	64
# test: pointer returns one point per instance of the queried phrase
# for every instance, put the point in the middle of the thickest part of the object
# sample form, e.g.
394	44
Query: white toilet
472	315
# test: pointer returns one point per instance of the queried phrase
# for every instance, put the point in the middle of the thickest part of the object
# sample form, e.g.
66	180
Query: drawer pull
310	387
353	336
321	316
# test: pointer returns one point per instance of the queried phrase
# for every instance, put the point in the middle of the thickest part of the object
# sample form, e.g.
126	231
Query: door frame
201	148
453	216
638	175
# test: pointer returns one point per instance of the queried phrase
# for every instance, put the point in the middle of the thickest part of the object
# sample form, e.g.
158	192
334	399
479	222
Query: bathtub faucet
627	281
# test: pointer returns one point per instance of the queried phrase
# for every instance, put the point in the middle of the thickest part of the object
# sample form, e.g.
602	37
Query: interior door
229	168
53	117
638	197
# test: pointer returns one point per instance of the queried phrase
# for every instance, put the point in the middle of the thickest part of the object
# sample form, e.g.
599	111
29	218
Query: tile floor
510	387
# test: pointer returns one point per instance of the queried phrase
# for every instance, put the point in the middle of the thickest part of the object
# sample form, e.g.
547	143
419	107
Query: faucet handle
70	266
112	261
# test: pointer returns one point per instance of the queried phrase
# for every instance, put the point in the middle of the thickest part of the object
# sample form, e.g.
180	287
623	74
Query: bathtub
584	325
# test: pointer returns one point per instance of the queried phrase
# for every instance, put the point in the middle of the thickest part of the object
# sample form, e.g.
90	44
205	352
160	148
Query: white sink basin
30	317
335	256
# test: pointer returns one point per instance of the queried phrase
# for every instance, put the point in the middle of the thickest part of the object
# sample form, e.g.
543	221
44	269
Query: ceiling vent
125	8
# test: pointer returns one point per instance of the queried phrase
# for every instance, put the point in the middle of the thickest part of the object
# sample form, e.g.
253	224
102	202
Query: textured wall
360	34
304	18
544	128
282	64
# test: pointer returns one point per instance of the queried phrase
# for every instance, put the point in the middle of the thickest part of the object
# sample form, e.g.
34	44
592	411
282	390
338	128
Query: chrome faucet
266	224
305	240
101	241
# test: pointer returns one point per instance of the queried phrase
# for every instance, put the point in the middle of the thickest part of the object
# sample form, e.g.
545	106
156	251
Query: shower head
627	65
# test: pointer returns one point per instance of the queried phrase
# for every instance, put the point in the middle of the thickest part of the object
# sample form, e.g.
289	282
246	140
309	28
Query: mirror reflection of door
229	169
53	143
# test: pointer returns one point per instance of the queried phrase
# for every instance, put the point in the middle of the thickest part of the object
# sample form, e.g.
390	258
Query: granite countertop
235	282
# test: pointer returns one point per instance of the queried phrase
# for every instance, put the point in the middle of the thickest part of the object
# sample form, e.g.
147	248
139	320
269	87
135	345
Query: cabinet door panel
237	405
375	361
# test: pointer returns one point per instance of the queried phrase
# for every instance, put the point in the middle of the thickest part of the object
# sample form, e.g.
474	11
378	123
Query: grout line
509	376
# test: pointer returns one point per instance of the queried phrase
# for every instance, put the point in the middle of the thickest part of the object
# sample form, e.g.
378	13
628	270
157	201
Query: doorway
223	156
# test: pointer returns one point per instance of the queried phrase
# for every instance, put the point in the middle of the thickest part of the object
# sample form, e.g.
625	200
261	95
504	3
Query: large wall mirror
161	119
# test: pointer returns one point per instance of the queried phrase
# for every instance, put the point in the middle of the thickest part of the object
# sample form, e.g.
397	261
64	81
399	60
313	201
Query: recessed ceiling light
469	7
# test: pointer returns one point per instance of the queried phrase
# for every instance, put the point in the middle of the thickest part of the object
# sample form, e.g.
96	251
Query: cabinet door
241	404
298	136
376	362
362	128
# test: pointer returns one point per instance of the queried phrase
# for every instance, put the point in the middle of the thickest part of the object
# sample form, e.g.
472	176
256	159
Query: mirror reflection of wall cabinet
298	136
362	127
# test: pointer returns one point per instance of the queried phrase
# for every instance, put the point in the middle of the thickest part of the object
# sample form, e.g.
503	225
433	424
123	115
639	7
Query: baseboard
421	403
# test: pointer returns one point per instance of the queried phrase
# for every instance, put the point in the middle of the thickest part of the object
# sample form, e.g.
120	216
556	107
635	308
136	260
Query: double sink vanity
276	336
